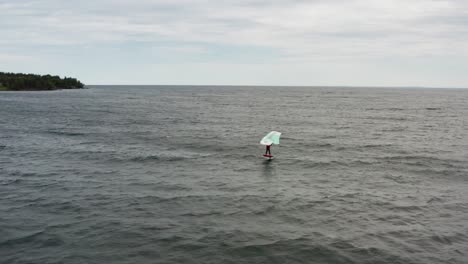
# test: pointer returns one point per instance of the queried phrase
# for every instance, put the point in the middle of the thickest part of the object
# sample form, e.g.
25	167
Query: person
268	151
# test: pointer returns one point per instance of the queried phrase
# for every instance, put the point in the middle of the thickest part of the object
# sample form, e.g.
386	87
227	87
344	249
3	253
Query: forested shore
34	82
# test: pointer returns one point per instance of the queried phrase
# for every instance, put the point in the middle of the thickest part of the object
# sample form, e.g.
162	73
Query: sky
421	43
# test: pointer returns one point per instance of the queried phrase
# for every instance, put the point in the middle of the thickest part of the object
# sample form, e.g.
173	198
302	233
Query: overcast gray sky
257	42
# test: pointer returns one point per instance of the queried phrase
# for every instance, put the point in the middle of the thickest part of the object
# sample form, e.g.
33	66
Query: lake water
175	174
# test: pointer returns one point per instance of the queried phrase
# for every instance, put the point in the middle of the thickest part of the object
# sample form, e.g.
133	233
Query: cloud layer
333	32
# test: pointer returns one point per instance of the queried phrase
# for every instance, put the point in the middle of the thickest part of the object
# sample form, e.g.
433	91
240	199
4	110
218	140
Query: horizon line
292	86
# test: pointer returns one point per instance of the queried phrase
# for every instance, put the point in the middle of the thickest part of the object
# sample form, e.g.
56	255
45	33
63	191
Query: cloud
289	31
293	27
9	58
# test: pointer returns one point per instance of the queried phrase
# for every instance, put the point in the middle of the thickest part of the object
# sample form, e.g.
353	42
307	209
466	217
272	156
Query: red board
268	156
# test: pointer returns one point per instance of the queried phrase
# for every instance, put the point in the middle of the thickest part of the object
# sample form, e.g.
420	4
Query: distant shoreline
34	82
4	89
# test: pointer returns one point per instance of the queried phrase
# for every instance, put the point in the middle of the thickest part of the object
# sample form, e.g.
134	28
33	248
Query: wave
156	157
321	145
388	118
423	160
21	174
394	129
41	238
311	163
407	208
450	239
210	213
64	133
22	238
10	181
399	179
432	167
323	164
376	145
394	109
180	198
166	157
303	249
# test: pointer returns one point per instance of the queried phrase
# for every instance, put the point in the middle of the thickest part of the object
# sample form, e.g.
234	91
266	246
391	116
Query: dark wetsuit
268	149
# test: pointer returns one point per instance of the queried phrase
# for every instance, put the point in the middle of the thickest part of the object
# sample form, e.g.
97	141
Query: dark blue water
176	175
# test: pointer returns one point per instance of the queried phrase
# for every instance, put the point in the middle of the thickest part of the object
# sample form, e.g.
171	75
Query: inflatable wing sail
271	138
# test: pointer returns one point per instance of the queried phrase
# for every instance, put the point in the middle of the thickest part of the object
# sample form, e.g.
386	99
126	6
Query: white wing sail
271	138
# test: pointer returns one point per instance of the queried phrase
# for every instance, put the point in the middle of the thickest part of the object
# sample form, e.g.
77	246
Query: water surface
175	174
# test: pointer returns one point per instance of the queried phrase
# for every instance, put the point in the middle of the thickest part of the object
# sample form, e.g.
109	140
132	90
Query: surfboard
267	156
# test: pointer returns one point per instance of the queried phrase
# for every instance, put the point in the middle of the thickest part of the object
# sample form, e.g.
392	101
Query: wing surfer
268	151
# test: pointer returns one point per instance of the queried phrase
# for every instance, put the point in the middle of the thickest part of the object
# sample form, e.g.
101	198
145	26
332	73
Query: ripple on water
175	175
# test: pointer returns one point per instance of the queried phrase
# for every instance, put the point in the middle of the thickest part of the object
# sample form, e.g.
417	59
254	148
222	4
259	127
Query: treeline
21	82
